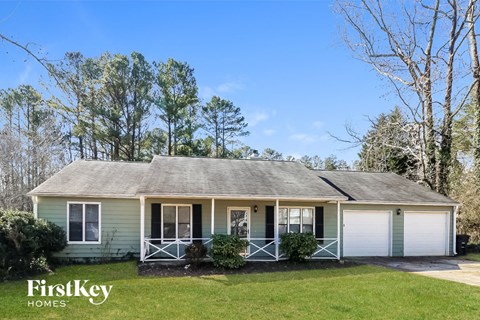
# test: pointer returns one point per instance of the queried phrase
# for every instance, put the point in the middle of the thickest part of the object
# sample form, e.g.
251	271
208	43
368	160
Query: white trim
338	229
454	234
142	229
301	216
241	197
447	230
83	203
35	206
275	222
75	195
212	218
176	205
432	204
390	225
229	220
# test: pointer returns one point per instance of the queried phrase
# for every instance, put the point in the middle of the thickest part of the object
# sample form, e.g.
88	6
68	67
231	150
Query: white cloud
257	117
304	138
269	132
232	86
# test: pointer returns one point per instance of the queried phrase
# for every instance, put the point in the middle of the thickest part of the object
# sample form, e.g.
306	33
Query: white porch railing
259	249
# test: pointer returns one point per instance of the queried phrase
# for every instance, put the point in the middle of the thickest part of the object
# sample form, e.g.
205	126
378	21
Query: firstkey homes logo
58	293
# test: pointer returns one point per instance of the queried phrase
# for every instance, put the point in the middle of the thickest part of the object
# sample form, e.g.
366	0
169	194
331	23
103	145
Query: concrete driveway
447	268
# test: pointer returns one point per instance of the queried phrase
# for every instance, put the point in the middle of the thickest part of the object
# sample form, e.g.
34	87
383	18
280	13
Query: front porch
168	225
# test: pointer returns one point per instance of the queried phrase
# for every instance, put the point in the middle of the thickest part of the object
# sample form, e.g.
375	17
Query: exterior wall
398	222
120	226
120	222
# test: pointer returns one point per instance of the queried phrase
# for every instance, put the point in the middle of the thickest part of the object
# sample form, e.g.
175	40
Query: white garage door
426	234
366	233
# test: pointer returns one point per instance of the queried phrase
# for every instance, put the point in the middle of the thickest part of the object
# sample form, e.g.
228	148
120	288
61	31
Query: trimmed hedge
27	244
226	251
298	246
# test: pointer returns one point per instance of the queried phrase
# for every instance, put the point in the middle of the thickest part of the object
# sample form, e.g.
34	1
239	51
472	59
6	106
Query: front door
239	222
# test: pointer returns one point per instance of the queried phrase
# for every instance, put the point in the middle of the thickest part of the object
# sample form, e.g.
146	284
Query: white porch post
338	230
142	228
275	221
35	206
212	223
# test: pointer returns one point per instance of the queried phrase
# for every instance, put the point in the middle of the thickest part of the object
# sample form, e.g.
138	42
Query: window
83	222
176	222
295	219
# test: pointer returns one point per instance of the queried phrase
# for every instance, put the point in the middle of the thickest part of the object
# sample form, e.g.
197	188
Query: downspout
454	231
212	218
35	206
142	228
275	217
338	230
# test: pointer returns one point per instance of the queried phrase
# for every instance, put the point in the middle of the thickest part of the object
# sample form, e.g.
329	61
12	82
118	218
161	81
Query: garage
366	233
426	233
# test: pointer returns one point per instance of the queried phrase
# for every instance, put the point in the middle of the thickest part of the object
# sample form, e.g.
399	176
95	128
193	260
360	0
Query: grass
362	292
472	256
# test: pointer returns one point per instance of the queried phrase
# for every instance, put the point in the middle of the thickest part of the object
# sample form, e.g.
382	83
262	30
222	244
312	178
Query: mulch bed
162	269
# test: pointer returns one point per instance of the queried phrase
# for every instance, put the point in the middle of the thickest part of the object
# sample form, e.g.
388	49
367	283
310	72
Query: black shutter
156	231
269	222
197	222
319	222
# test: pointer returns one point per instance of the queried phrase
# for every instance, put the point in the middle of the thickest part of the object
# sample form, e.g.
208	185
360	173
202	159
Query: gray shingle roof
379	187
95	178
233	178
226	178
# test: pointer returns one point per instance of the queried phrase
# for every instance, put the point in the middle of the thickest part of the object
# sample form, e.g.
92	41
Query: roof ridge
226	159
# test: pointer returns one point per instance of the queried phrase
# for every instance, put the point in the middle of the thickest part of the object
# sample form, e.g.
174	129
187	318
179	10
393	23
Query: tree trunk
476	88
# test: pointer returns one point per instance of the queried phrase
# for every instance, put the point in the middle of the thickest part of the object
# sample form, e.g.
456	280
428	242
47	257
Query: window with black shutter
197	222
156	226
269	223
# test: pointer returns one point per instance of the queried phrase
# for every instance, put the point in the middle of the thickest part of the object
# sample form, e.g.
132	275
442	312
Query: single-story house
153	210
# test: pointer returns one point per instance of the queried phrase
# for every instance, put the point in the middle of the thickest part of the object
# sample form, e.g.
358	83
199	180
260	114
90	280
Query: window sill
84	242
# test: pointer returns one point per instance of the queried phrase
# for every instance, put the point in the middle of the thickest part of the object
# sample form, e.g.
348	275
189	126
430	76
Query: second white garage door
426	233
366	233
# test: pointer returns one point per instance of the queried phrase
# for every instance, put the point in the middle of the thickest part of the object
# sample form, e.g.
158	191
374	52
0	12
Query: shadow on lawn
296	275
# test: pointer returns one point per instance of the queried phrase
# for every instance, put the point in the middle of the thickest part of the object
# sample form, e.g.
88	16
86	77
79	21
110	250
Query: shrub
226	251
27	243
298	246
195	253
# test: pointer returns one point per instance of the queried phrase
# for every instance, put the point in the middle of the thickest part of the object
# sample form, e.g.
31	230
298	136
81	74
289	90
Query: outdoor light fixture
399	211
255	208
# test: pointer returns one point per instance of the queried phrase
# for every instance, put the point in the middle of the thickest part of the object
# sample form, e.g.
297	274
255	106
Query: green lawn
362	292
472	256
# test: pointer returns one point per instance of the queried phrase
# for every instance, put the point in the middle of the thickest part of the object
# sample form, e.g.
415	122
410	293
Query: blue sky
282	62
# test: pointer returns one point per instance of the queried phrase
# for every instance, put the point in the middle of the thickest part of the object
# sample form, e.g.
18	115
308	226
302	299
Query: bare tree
472	16
418	48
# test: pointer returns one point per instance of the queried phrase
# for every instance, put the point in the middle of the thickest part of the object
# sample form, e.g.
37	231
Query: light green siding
398	222
120	227
120	222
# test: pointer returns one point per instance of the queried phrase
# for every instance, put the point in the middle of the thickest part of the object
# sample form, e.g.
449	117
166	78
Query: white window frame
229	222
176	205
83	203
301	217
